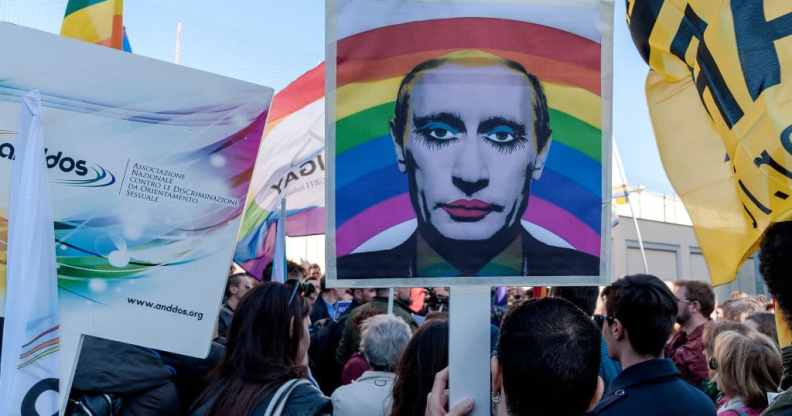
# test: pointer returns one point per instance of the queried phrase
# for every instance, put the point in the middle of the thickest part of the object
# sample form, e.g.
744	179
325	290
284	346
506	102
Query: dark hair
541	113
584	297
260	353
424	356
775	264
646	308
292	269
700	292
714	328
233	281
549	353
765	323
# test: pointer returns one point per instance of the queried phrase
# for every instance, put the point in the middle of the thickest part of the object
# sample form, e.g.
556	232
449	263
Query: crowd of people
637	346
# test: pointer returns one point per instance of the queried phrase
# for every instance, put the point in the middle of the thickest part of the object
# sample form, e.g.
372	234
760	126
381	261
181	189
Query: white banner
29	370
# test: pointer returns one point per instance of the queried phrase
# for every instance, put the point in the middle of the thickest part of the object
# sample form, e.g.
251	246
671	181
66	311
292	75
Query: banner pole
468	356
390	301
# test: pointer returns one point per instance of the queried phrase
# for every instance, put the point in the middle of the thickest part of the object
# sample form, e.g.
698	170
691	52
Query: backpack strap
281	397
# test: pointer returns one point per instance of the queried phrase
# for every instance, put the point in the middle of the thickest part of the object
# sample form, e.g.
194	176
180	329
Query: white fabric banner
29	371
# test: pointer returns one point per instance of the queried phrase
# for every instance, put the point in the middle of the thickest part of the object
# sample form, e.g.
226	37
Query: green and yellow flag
720	97
95	21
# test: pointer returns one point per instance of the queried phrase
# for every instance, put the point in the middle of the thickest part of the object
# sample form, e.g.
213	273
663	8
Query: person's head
763	322
749	366
640	313
237	286
382	341
775	264
403	294
584	297
695	300
471	130
294	271
711	331
739	308
425	355
365	295
267	345
548	359
314	271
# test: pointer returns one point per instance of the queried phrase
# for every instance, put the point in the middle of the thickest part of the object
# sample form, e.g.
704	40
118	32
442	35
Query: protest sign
468	142
149	165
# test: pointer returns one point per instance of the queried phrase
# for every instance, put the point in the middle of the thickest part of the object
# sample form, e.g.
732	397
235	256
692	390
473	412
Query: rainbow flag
371	60
96	21
290	161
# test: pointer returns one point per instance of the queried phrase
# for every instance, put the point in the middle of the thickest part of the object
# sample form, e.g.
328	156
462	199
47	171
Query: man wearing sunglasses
640	314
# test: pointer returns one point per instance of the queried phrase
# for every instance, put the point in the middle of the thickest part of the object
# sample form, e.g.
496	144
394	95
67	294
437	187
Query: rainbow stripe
96	21
567	201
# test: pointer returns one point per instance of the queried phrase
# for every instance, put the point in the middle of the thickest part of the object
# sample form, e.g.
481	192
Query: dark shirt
224	321
539	259
653	388
687	353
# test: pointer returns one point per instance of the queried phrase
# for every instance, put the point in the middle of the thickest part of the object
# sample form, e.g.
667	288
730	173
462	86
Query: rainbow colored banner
372	207
290	164
96	21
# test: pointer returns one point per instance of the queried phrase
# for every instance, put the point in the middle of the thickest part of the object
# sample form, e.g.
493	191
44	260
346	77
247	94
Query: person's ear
541	158
617	330
398	147
234	290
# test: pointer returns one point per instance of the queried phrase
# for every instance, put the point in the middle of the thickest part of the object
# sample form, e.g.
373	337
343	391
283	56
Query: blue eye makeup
439	129
506	135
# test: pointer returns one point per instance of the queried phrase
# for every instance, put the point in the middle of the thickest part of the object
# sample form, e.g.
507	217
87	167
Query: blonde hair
749	366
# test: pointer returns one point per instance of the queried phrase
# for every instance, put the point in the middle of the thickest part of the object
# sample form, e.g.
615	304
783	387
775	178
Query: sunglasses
601	319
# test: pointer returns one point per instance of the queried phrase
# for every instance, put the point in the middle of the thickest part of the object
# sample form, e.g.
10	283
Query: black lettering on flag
747	211
753	199
766	159
642	21
781	195
755	44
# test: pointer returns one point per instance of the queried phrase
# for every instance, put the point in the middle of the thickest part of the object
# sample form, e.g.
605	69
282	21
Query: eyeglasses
713	363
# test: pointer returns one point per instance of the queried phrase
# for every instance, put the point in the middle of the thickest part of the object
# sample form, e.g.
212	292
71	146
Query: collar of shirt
430	264
644	372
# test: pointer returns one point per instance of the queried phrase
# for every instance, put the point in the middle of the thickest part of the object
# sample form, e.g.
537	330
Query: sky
272	42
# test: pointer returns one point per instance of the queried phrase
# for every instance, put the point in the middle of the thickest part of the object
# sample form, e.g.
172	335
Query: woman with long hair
424	356
265	369
748	367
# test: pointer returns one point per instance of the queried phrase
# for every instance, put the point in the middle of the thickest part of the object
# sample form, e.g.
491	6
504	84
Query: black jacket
653	388
541	260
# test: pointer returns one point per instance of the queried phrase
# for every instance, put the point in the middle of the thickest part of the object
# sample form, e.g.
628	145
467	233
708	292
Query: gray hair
383	339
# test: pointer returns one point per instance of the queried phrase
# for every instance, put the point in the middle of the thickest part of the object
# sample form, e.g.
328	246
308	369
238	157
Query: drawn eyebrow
453	120
493	122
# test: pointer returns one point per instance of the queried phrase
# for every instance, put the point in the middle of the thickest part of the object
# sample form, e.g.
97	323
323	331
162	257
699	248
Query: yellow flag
720	98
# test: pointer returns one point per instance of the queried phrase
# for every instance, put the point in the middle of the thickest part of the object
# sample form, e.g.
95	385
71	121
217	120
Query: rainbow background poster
375	44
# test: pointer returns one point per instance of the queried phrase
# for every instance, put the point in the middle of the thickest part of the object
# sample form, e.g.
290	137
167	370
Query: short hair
584	297
383	339
749	366
646	308
401	111
775	264
699	292
714	328
233	281
738	309
549	352
765	323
